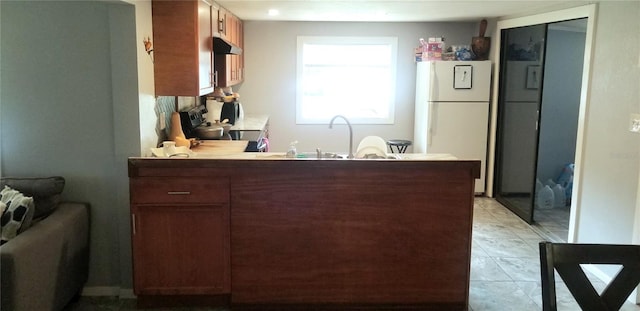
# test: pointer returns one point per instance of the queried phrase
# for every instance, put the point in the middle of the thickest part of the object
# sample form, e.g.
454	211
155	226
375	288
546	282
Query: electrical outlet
163	121
634	123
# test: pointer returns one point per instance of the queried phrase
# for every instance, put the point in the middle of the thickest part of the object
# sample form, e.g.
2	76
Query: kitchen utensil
180	152
176	128
211	131
372	141
214	108
224	124
230	110
169	147
371	152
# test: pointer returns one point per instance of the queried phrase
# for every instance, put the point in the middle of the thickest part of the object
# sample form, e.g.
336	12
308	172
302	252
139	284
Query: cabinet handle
178	192
215	78
133	223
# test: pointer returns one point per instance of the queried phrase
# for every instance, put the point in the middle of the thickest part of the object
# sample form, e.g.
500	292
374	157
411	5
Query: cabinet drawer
171	190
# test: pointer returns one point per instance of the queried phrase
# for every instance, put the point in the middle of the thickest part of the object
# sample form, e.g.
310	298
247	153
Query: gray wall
560	101
69	107
269	87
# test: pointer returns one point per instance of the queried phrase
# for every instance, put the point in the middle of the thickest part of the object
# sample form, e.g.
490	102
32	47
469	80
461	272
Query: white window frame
337	98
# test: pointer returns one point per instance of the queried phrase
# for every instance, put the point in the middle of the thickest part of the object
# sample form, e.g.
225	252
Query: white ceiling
390	10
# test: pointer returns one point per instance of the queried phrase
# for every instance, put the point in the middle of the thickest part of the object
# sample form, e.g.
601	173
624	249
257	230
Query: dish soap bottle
292	152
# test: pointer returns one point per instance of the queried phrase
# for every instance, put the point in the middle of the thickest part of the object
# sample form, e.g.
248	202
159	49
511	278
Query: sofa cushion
44	190
17	215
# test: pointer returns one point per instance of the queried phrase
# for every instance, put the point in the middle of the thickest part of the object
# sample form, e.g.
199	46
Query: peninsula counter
300	233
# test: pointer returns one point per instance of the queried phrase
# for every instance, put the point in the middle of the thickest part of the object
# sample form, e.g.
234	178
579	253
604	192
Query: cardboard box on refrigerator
435	48
429	50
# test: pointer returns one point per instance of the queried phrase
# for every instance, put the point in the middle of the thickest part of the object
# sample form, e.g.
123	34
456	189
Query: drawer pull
178	192
133	223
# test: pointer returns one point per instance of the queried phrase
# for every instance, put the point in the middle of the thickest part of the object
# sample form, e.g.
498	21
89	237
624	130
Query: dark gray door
521	65
537	129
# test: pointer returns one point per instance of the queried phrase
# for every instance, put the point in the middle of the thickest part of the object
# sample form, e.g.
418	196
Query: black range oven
192	118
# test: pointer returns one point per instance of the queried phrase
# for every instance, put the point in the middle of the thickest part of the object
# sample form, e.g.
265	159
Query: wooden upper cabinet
222	22
230	68
183	47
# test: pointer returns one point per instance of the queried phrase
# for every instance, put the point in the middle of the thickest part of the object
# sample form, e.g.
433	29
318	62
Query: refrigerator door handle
431	105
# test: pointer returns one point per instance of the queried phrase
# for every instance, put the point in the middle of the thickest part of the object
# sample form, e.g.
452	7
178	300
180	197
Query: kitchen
111	271
263	77
342	263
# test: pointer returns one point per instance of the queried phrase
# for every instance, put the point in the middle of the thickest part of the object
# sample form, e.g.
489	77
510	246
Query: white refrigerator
452	110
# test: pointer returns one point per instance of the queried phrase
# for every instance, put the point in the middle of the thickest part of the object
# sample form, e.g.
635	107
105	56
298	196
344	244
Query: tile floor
554	222
504	268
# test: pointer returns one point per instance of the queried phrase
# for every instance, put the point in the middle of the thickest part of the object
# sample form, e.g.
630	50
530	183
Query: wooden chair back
566	259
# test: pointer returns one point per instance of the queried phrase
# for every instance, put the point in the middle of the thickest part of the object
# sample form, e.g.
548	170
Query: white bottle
560	199
550	183
545	199
292	152
539	186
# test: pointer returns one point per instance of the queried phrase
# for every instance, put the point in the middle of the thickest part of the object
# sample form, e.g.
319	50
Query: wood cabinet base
168	301
347	307
223	301
312	235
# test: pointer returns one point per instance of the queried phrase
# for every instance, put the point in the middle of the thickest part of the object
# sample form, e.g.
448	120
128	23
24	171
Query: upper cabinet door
205	43
230	68
222	22
183	48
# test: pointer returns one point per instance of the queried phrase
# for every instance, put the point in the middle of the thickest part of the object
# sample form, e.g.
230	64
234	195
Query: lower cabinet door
181	249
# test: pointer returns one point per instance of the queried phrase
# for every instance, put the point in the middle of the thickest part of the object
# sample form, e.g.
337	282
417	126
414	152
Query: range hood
222	46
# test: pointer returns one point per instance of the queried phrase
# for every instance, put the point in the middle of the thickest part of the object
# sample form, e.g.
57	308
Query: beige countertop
251	122
234	150
220	147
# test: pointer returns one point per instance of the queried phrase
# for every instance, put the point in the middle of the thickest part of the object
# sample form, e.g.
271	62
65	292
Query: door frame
588	11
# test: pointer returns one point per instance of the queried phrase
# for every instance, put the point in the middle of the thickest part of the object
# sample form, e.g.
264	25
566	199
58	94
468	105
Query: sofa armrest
45	266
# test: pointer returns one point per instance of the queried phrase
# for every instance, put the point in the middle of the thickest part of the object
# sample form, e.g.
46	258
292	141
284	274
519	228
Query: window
351	76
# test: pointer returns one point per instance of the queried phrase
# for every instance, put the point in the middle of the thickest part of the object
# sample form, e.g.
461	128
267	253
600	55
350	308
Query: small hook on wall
148	46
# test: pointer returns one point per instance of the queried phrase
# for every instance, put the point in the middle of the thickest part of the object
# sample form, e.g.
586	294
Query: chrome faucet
350	133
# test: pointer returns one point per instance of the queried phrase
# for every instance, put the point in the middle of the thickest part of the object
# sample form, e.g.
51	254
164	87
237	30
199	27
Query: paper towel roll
214	109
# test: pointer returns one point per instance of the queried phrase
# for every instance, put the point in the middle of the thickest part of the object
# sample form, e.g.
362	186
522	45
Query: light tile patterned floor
554	222
505	269
505	266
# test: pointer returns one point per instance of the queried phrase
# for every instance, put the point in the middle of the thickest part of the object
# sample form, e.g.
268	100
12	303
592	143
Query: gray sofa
46	266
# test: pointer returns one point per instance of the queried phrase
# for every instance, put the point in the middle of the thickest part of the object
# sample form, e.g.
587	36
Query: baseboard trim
127	293
100	291
114	291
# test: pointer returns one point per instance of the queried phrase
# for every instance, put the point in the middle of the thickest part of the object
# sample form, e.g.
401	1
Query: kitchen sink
304	155
326	156
322	155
